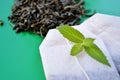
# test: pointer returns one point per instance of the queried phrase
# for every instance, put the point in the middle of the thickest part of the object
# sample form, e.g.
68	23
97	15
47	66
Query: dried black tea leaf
38	16
1	22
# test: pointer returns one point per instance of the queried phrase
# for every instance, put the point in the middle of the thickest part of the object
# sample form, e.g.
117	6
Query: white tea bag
60	65
108	29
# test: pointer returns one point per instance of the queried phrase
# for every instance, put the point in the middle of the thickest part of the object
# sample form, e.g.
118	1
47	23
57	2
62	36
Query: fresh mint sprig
81	43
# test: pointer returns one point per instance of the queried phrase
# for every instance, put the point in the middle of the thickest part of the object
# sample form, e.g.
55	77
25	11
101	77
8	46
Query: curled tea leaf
38	16
1	22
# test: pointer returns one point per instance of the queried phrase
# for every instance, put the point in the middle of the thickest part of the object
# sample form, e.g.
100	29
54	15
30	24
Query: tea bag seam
84	72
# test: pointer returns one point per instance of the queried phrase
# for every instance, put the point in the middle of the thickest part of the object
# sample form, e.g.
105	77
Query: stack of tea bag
60	65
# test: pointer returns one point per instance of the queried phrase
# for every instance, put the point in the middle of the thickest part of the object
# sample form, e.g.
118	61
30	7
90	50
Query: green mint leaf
88	41
96	53
71	33
76	49
82	42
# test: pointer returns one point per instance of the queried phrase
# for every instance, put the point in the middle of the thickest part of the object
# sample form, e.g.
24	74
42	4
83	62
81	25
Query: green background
19	53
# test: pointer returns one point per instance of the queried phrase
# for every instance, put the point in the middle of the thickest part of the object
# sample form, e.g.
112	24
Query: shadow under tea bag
60	65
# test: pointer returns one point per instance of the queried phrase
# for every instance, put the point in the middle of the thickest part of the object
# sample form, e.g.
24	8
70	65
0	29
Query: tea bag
60	65
108	29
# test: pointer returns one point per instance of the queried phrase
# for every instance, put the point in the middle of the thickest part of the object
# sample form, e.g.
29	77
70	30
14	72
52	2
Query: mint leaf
88	41
82	43
96	53
76	49
71	33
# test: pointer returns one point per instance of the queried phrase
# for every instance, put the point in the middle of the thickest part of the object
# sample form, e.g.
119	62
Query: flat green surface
19	53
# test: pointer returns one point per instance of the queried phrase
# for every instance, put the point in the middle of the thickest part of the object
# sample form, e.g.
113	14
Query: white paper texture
108	29
60	65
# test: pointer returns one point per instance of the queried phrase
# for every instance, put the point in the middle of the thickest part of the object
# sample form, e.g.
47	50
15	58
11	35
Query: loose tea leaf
71	34
1	22
38	16
84	43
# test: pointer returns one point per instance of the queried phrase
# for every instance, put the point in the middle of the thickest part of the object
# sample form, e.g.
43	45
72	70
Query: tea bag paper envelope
108	29
60	65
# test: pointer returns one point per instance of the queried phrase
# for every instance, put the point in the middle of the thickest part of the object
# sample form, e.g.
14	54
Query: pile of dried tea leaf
38	16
